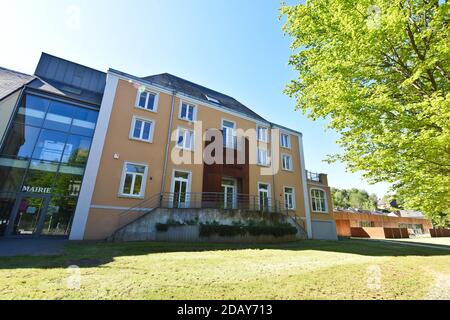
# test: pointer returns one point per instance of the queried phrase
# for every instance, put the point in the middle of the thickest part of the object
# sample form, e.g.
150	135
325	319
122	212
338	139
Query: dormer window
211	99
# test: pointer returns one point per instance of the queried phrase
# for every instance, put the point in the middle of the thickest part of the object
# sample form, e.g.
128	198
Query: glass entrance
180	190
29	215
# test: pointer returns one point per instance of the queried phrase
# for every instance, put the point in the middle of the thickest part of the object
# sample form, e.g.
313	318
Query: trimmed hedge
207	230
162	227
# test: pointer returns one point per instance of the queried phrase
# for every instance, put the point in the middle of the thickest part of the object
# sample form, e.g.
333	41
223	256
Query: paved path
414	244
31	247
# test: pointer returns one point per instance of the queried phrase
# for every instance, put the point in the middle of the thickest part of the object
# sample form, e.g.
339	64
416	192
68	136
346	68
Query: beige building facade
150	143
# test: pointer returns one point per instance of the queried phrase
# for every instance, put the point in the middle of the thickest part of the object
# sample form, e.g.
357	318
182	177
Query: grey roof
411	214
200	92
61	89
61	71
10	81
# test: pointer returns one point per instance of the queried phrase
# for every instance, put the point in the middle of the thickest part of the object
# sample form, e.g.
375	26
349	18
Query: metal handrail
313	176
219	200
209	200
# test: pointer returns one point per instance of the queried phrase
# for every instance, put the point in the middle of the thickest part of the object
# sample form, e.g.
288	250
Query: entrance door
263	194
180	190
29	215
229	194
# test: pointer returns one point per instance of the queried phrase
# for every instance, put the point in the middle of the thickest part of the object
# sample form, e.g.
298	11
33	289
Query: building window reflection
45	152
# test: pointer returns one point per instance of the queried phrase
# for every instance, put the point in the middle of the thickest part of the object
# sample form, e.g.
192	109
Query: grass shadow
94	254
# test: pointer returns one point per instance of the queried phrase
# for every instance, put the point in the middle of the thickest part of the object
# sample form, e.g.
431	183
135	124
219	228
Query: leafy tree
353	198
379	71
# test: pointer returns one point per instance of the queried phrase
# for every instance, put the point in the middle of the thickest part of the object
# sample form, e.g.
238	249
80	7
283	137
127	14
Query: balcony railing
312	176
210	200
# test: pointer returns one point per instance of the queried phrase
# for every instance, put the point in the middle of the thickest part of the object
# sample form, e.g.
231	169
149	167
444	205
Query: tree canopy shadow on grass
95	254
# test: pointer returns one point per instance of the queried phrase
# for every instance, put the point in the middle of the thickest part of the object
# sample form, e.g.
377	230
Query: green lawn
432	241
350	269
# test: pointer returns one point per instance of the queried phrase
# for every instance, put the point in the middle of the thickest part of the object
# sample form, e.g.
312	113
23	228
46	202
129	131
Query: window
59	116
133	180
366	224
142	129
285	140
229	134
318	200
76	150
289	199
40	175
187	112
33	111
263	195
262	157
84	121
286	162
262	133
50	145
146	100
20	141
209	98
185	139
11	174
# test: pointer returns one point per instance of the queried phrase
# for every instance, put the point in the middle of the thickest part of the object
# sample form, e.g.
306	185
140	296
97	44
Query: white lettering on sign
36	189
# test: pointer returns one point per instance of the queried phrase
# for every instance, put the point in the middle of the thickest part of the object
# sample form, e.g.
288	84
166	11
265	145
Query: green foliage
379	70
240	229
353	198
163	227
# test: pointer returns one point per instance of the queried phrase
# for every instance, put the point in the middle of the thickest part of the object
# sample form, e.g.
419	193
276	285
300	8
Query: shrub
162	227
278	230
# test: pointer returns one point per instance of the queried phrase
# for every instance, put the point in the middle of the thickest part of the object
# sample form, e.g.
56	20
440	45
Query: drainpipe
273	172
163	180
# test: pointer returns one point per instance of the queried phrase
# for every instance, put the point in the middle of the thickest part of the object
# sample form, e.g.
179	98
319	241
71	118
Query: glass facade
42	163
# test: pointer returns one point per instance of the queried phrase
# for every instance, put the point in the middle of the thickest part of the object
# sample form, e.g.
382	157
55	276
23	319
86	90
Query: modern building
47	121
81	147
368	224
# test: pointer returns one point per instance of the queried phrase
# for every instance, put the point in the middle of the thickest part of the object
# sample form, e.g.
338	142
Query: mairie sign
36	189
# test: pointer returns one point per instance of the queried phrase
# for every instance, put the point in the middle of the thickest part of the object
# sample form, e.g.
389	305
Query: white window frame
290	162
188	187
288	140
194	113
267	163
293	197
155	104
269	192
266	138
234	135
324	210
184	139
143	185
152	129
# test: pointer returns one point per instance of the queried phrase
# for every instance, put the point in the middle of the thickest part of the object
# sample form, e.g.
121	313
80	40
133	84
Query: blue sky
232	46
